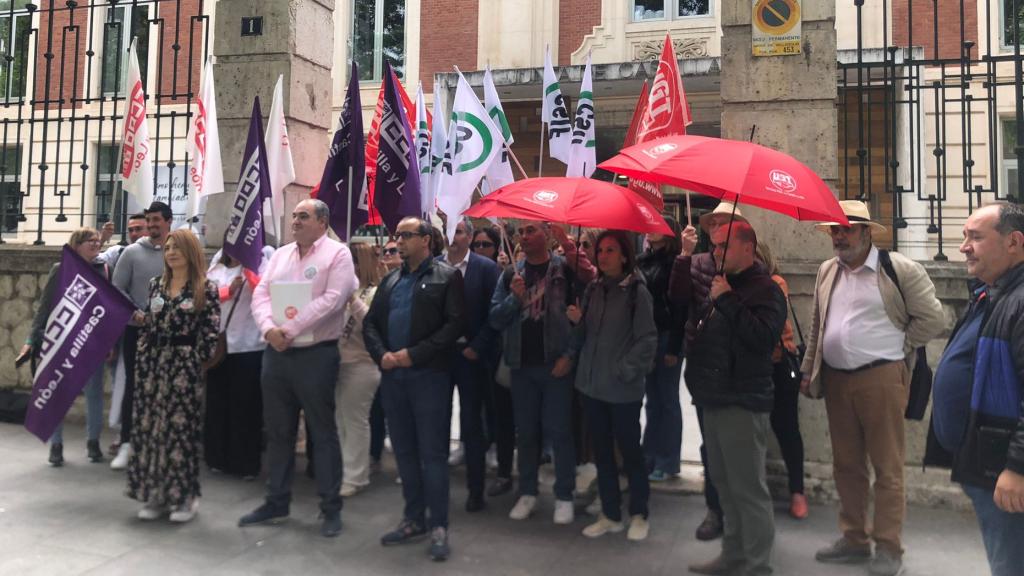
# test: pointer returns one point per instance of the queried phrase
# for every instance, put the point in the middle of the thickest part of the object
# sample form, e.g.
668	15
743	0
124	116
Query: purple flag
243	240
347	197
87	318
396	191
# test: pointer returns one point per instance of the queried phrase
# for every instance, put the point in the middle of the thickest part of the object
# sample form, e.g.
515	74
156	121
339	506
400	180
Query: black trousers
785	420
129	342
501	426
609	425
378	429
710	494
471	378
233	430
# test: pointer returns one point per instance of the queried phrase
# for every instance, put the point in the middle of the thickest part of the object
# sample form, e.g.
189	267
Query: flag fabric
205	173
397	186
244	240
279	161
583	146
473	143
638	113
667	114
136	160
373	140
500	171
87	317
438	140
347	198
555	114
422	138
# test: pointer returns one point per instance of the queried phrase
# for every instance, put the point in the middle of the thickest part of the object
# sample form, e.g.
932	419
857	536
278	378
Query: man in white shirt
865	329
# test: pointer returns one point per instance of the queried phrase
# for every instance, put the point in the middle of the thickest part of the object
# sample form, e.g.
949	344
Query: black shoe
439	544
56	455
265	514
406	531
475	502
711	527
332	524
499	486
93	449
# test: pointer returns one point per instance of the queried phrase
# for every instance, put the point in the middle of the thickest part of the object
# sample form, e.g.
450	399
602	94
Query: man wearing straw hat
867	322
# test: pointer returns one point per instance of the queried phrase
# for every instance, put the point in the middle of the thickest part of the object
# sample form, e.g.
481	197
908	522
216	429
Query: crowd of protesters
555	347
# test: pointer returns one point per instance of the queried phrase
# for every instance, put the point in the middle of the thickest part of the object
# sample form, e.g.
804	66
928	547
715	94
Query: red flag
638	113
667	114
373	141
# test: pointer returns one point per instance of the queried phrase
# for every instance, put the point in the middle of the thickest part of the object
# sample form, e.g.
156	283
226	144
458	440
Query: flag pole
348	216
516	159
540	157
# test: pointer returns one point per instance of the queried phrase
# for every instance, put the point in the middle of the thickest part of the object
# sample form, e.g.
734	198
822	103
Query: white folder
289	298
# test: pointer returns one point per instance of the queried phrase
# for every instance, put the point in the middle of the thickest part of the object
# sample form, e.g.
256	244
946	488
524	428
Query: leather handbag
921	376
220	351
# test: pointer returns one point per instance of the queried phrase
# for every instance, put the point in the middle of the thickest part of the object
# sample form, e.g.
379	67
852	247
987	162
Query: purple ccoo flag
396	190
346	195
243	240
88	317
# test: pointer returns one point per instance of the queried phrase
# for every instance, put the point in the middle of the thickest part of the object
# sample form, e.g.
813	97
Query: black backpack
921	378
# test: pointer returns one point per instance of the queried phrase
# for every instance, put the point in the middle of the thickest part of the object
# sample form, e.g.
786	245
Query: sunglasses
391	251
482	244
407	235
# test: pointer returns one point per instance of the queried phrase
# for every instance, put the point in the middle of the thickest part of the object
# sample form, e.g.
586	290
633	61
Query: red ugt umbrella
576	201
735	171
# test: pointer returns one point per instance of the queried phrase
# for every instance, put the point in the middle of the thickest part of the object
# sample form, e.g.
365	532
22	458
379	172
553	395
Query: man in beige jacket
864	331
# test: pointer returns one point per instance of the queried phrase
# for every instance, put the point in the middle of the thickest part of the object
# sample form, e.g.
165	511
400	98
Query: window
117	39
378	32
1008	160
10	189
644	10
1008	21
15	26
109	200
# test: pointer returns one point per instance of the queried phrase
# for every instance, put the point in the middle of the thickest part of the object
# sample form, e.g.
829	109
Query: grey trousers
735	440
293	380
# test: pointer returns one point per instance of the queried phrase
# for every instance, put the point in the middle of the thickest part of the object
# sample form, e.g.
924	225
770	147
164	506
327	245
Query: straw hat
857	213
722	208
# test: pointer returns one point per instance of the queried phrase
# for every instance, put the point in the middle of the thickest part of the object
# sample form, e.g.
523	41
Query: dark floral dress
168	433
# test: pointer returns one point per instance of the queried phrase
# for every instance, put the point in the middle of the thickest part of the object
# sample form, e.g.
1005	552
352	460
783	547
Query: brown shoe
711	527
717	567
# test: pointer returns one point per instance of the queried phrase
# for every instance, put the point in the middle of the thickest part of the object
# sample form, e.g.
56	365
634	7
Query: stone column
297	41
791	100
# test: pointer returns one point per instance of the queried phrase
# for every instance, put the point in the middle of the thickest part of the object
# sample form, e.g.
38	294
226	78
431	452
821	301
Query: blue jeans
93	409
541	401
417	403
1002	532
663	436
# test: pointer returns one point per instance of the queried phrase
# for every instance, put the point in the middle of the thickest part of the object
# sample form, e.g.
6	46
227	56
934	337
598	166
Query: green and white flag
438	138
583	146
421	139
473	143
500	172
555	114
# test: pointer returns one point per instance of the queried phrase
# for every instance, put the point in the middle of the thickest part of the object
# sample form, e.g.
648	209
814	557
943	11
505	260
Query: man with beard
867	323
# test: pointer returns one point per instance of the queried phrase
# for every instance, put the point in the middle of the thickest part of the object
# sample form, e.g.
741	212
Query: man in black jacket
978	408
410	331
729	374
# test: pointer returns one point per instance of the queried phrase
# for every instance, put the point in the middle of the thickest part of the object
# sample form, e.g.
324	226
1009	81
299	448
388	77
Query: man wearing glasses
410	332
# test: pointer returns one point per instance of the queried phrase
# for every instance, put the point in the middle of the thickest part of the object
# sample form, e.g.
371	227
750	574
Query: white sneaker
523	508
120	462
457	457
601	527
594	508
586	478
349	490
492	458
150	511
186	512
564	512
638	528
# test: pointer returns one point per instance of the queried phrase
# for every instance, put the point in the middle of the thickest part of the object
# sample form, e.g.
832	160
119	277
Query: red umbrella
576	201
734	171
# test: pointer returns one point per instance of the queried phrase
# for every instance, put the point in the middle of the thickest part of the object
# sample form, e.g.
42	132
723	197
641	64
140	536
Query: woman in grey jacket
614	344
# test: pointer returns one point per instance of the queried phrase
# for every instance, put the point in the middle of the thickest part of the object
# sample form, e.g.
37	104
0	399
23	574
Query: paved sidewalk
75	520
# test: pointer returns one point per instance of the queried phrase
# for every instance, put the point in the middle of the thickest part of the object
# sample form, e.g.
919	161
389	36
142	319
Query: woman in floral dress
179	334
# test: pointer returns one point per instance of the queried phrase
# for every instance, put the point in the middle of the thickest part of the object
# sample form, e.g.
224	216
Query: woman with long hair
178	335
358	376
86	243
613	345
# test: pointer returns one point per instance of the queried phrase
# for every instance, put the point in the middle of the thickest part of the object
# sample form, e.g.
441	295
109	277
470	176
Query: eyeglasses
93	241
482	244
407	235
390	251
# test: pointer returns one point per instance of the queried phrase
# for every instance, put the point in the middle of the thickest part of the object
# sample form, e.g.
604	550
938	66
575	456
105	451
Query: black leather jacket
669	316
438	307
729	361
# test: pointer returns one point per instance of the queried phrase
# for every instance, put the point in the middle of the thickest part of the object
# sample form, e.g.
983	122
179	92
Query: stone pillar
297	41
791	100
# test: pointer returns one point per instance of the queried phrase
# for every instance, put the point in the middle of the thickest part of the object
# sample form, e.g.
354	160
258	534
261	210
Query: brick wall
448	37
924	15
70	35
179	30
576	19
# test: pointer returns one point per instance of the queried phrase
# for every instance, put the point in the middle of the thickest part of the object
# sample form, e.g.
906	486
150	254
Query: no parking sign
776	27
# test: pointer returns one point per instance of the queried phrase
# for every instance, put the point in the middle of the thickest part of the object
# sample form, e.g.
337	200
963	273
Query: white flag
583	146
555	114
438	139
473	143
279	161
136	160
205	173
421	139
500	172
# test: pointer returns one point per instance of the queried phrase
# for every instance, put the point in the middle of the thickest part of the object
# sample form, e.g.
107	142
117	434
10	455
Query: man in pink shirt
301	376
